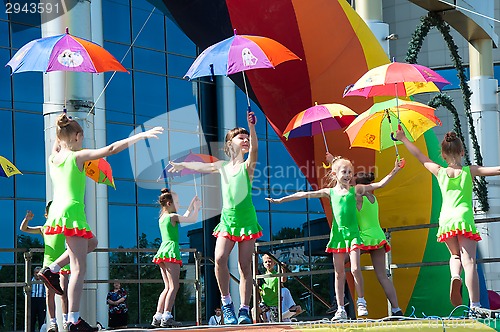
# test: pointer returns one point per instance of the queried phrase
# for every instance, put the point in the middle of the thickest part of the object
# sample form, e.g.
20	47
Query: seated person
269	294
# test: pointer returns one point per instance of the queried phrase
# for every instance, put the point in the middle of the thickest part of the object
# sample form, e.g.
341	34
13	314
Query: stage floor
422	325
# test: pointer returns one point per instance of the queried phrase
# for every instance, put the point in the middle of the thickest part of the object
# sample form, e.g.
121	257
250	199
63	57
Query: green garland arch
433	19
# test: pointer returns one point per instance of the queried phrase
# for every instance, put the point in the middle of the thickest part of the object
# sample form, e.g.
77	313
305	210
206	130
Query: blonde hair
331	178
232	134
66	127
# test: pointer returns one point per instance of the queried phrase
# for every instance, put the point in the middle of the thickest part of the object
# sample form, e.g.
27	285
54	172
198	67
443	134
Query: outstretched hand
272	200
153	133
176	167
196	203
252	119
329	157
399	163
29	215
400	135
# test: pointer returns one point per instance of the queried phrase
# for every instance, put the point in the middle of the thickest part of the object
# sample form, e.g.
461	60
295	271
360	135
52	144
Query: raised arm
28	229
191	215
476	170
414	150
196	166
118	146
301	194
362	188
254	145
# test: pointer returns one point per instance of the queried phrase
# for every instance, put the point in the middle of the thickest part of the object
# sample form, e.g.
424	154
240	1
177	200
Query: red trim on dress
167	260
69	232
342	250
384	244
445	236
237	238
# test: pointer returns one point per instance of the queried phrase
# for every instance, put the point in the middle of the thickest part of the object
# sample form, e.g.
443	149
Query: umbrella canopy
239	53
100	171
63	53
318	119
372	129
397	79
7	169
199	157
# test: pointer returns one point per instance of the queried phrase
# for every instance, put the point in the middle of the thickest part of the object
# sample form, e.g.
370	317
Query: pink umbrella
237	54
318	119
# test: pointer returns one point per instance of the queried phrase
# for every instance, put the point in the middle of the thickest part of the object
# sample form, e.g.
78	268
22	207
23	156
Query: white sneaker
155	322
53	327
340	314
362	311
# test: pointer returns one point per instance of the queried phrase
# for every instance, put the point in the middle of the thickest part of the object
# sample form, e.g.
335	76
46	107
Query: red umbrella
100	171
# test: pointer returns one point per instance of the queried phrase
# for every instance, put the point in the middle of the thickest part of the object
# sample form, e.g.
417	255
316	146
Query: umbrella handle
402	161
252	120
212	74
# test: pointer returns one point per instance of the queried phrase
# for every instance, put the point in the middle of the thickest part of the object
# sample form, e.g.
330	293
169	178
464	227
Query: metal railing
389	265
27	284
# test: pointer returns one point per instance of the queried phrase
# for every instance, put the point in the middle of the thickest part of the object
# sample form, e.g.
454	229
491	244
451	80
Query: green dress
55	246
67	212
457	216
344	235
169	251
269	291
371	233
238	221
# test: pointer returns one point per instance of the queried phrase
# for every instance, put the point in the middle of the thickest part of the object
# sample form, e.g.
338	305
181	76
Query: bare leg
64	297
468	257
223	247
63	260
77	249
455	270
51	303
455	259
160	307
338	264
173	271
355	255
378	261
245	251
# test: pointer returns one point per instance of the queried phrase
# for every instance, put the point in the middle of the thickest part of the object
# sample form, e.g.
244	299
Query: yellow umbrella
7	168
374	128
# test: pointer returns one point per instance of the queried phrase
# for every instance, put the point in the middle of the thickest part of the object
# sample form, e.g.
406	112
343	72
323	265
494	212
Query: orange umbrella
100	171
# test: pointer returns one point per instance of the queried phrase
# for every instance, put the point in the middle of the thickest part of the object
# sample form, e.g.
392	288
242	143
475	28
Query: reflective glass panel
29	142
122	226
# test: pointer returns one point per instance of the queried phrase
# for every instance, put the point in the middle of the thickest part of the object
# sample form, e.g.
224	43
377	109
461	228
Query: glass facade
155	90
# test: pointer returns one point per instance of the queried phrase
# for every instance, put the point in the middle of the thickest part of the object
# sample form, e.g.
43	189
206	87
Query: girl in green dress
67	212
54	246
344	234
168	256
372	235
456	219
238	222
